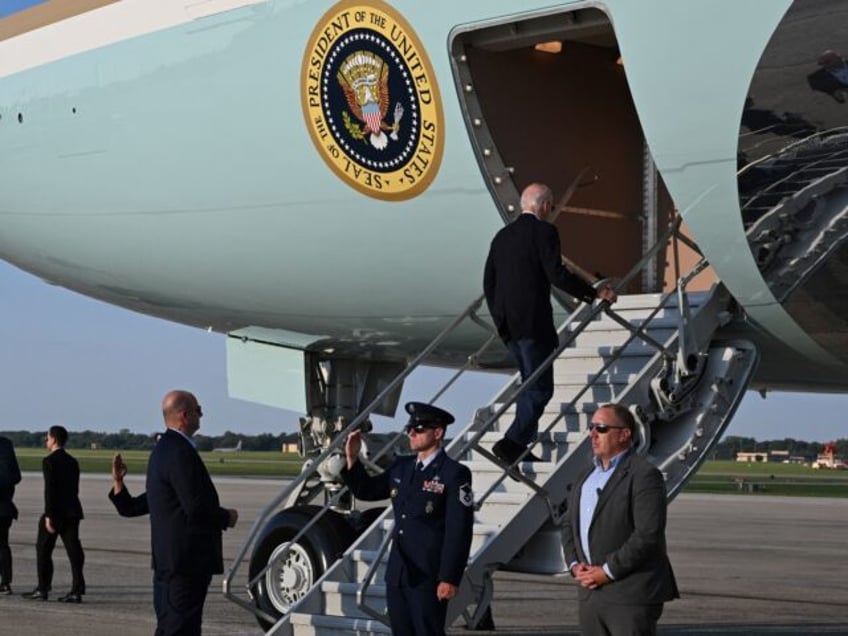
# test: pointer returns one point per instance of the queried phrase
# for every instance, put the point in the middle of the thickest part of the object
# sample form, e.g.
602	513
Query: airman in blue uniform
434	515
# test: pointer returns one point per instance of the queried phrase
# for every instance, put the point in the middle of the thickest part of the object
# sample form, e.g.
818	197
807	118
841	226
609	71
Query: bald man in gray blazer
614	536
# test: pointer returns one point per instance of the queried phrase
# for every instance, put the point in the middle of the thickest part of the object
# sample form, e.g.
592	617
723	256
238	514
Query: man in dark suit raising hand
186	520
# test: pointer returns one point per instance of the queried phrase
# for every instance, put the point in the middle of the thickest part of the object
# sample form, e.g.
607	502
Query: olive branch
352	128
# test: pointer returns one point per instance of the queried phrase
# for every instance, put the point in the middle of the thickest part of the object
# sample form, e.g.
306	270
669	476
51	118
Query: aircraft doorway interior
546	99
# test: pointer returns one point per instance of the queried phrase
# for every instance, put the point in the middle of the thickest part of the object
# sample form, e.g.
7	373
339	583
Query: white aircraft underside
158	155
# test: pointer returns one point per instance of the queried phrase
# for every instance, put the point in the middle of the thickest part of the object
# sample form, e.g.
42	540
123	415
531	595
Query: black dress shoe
506	450
530	457
70	597
503	450
36	595
5	590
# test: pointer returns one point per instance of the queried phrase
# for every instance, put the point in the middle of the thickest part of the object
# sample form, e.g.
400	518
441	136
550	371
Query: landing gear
292	569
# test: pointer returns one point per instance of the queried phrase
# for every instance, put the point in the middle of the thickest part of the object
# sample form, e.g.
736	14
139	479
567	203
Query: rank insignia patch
371	101
466	495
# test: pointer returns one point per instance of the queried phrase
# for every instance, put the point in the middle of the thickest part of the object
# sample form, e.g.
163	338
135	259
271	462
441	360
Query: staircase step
596	393
482	531
320	625
486	472
513	525
611	334
578	362
551	446
340	597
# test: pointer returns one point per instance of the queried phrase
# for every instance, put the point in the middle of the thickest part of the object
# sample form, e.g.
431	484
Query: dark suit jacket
524	261
61	488
822	80
627	533
186	519
434	517
10	475
127	505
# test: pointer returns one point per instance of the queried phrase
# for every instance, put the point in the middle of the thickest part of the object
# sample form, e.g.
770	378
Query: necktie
419	466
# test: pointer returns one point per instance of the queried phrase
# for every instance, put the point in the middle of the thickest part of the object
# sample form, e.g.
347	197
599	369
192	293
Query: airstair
662	355
795	208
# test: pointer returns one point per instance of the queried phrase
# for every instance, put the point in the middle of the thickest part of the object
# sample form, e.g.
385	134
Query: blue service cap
426	416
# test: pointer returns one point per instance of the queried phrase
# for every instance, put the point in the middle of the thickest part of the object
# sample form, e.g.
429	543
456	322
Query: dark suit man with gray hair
614	536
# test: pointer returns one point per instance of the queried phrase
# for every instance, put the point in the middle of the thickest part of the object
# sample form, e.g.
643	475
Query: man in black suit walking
434	518
524	261
614	535
186	520
61	518
10	475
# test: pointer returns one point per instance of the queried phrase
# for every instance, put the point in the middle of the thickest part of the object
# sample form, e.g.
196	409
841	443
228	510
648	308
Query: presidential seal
371	101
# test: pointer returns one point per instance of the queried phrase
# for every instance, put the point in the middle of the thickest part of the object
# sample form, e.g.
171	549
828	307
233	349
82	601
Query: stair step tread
351	587
661	322
636	349
629	301
585	378
352	625
483	466
479	528
556	437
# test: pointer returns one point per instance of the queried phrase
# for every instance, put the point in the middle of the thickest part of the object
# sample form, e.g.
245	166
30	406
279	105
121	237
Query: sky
70	360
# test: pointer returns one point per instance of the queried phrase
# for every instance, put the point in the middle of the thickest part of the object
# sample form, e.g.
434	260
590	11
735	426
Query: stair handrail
593	312
361	591
586	313
332	448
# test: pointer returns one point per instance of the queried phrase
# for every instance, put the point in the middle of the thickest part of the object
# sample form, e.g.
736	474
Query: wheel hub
289	575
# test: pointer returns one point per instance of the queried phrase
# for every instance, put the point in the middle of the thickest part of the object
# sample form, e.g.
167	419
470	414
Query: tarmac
745	564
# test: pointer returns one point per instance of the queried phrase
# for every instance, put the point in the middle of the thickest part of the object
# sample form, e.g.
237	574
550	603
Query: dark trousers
415	610
44	544
599	618
5	552
529	354
179	608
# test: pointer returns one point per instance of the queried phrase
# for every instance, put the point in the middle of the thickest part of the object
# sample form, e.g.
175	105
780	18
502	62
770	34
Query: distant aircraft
233	449
320	181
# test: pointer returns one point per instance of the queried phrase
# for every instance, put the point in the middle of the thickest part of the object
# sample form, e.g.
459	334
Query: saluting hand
352	445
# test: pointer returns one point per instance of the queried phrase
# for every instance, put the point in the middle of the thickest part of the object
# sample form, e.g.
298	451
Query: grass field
713	477
243	463
769	479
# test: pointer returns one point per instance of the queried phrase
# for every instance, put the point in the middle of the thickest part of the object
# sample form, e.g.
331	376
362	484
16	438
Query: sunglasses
603	429
418	428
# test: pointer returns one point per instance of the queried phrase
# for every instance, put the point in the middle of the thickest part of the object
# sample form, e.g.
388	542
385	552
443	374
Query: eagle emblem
364	78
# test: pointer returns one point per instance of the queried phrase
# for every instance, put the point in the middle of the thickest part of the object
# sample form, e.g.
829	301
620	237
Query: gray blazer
627	533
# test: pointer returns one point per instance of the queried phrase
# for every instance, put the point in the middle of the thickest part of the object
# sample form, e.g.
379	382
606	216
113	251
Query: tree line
126	440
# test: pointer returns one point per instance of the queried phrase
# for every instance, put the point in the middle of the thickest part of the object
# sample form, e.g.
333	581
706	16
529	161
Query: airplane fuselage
176	158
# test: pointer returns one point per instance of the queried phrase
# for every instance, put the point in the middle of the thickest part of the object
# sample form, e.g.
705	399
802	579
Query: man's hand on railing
607	293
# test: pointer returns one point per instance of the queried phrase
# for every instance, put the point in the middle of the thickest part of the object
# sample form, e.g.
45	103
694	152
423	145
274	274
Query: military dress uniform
433	521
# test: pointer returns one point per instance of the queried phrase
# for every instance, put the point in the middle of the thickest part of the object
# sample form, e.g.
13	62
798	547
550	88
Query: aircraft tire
286	582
